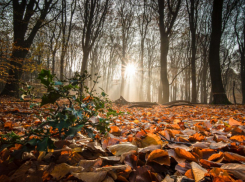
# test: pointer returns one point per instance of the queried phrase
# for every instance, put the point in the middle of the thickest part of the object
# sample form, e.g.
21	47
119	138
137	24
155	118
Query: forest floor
181	143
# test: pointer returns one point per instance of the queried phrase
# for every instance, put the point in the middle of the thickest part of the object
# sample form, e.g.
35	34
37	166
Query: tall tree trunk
204	77
141	68
12	85
164	74
85	60
192	21
219	95
243	74
22	13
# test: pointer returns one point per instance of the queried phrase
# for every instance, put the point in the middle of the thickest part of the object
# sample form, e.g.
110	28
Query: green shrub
66	119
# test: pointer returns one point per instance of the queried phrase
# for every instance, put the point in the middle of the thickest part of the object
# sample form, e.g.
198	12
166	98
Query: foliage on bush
81	113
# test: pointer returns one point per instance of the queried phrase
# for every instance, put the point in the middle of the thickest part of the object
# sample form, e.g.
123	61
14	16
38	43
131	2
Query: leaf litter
201	143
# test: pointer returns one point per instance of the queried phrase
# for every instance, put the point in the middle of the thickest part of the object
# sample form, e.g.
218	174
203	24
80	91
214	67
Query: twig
170	141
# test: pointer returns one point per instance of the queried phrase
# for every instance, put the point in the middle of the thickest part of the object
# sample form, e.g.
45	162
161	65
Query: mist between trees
144	50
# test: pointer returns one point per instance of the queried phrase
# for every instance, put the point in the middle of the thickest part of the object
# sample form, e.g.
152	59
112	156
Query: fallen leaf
151	139
159	156
182	153
233	157
119	149
189	174
63	169
198	171
91	176
237	170
88	165
233	122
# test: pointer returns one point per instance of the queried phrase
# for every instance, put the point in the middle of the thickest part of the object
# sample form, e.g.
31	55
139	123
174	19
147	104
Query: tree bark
164	74
22	13
219	95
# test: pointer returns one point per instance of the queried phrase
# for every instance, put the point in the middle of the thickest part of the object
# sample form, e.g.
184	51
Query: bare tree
24	34
218	27
126	18
66	33
168	11
192	10
93	14
239	27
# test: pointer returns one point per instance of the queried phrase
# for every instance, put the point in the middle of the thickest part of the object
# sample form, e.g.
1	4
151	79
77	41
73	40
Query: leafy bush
79	114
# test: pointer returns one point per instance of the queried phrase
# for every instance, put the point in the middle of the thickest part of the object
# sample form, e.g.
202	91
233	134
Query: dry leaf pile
201	143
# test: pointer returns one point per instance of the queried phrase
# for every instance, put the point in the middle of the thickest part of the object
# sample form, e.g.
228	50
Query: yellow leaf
151	139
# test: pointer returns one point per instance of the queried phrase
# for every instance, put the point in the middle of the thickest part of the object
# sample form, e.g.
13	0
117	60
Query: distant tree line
190	50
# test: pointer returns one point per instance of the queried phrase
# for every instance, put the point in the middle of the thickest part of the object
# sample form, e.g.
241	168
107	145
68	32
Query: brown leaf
4	178
20	174
182	146
219	145
173	154
88	165
108	179
237	170
182	167
209	164
198	171
119	149
168	179
63	169
159	156
91	176
114	168
149	148
131	160
233	157
233	122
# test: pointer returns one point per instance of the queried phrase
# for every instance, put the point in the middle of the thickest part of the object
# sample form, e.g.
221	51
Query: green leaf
42	145
90	132
68	87
51	97
33	142
58	83
63	124
73	130
46	77
103	94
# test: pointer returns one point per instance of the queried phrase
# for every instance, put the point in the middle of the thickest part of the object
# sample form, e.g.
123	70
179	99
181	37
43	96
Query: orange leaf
233	122
184	154
238	138
196	137
233	157
216	157
8	125
159	156
189	174
114	129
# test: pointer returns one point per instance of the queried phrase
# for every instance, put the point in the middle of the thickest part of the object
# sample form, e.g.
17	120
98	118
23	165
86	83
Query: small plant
75	112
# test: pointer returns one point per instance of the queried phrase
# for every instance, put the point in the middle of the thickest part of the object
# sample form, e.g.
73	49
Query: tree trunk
164	74
85	60
204	77
193	49
219	96
243	75
141	69
12	85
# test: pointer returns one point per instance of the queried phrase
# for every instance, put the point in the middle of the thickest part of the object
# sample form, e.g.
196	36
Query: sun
130	69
